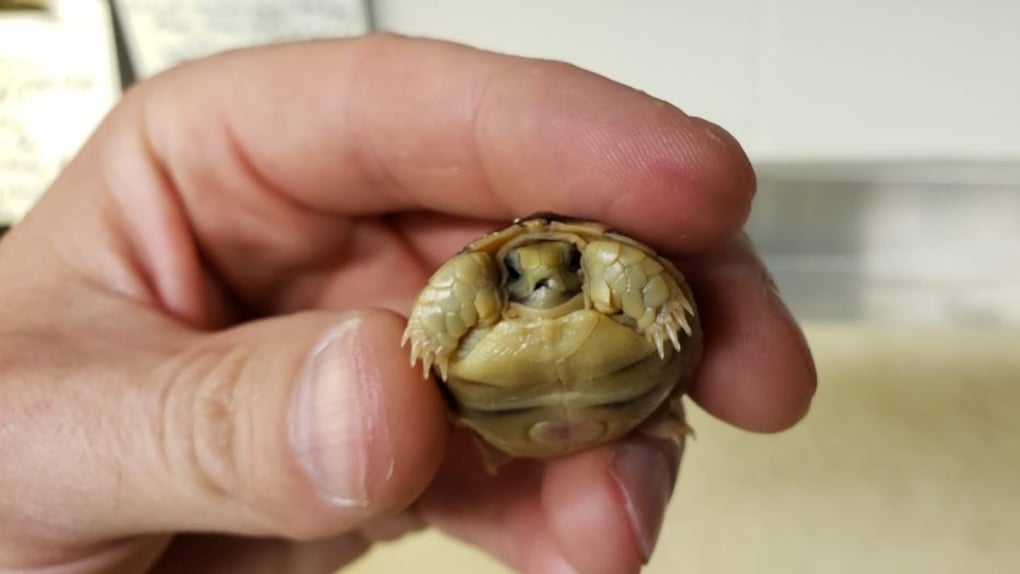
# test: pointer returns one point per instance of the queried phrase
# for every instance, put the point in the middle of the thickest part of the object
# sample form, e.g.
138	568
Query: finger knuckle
209	441
204	429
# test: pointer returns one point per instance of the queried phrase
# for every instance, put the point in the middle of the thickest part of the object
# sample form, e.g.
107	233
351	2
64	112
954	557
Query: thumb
300	427
313	423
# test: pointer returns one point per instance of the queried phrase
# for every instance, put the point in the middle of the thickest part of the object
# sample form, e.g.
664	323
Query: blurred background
886	136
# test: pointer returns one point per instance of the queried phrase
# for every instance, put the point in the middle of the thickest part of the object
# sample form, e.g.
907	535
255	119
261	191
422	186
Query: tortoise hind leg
669	423
493	459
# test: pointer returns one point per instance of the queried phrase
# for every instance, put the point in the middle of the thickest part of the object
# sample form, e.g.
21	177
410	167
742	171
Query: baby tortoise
555	335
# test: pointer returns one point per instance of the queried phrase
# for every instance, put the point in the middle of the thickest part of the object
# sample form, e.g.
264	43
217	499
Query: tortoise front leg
462	294
620	278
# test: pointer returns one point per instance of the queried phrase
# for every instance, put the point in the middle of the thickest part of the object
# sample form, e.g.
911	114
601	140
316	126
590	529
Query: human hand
201	319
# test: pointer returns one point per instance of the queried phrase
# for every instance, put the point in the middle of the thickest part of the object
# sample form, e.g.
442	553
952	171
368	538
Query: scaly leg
621	278
669	423
462	294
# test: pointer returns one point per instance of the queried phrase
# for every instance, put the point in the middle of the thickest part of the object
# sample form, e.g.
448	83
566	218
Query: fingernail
335	415
643	476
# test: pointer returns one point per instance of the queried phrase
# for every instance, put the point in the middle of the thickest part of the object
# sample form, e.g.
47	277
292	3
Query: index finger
389	124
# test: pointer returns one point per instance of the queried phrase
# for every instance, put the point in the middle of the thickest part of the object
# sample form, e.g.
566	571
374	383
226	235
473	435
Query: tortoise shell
554	335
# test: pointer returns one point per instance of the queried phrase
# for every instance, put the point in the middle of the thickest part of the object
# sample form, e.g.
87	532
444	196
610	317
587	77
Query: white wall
795	80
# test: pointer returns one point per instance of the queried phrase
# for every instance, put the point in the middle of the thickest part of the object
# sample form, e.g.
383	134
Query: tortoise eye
574	258
513	266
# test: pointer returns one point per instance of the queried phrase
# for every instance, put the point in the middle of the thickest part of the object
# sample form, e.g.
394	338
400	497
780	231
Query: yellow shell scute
655	292
583	345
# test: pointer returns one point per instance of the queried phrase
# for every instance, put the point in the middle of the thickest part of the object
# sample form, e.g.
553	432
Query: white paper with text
58	78
164	33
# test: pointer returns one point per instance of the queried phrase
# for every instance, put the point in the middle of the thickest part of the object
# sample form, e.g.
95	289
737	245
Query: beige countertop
909	462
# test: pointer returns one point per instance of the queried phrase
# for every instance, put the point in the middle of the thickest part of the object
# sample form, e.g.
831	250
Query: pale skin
249	223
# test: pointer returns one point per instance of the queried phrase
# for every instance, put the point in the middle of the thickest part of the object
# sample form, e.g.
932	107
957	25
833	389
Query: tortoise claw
426	350
669	321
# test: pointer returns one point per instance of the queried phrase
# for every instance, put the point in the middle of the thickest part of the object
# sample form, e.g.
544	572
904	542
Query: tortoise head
543	274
